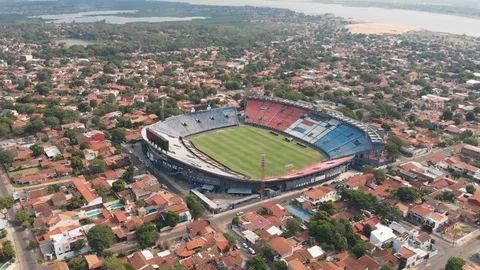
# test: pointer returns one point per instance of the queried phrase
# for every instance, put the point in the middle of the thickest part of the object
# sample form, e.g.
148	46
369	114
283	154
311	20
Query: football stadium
275	144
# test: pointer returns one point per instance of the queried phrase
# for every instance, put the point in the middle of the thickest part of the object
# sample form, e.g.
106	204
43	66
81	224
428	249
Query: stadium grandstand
343	142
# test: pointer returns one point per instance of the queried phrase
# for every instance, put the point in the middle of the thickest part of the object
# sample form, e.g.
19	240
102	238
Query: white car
239	214
245	245
251	251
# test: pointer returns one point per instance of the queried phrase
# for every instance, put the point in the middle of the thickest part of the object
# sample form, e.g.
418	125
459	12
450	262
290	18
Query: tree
74	203
358	199
112	263
235	221
84	145
37	150
97	166
447	115
231	239
43	88
7	156
6	202
359	249
93	103
257	263
76	163
456	175
380	176
294	227
118	185
446	196
172	219
387	211
367	230
100	237
470	188
196	208
23	216
328	207
128	175
470	116
102	191
77	264
281	265
8	251
455	263
408	194
147	235
118	135
53	188
77	246
471	141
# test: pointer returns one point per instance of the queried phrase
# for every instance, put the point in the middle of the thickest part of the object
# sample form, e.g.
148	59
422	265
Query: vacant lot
241	148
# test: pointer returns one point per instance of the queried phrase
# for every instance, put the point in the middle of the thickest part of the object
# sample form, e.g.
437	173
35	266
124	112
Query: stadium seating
197	122
331	135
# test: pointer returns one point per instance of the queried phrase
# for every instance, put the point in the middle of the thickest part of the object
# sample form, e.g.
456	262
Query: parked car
251	251
239	213
237	246
245	245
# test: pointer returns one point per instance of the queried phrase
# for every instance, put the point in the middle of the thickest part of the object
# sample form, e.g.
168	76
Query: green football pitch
241	149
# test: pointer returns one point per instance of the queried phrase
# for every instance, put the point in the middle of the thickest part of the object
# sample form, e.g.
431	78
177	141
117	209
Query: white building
58	243
381	235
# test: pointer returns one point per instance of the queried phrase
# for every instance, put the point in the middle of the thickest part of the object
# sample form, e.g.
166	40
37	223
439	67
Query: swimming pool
6	265
298	212
115	206
93	213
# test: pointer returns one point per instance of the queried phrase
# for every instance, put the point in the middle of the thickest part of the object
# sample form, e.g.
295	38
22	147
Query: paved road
26	258
424	157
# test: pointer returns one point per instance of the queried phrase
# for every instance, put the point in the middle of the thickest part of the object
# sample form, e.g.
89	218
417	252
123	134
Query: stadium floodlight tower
263	163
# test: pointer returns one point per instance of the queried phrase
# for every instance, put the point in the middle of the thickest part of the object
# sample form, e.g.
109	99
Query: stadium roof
246	191
204	198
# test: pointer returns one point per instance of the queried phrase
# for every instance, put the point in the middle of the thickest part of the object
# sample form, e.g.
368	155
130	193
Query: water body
112	16
423	20
71	42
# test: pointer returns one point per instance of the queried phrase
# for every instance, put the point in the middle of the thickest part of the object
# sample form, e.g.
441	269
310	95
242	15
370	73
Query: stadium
275	144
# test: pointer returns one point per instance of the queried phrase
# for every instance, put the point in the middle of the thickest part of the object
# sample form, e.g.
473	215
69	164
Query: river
110	16
424	20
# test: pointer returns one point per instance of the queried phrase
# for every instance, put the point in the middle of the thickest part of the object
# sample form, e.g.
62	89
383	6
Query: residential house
86	191
382	235
56	244
321	194
420	213
281	246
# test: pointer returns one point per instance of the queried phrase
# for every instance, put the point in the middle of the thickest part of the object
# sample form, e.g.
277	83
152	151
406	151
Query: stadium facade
342	140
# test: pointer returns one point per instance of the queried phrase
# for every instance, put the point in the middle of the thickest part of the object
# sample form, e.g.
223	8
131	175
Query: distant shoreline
380	28
394	7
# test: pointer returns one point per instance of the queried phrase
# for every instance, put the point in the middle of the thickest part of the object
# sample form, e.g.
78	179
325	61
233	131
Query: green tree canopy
408	194
112	263
257	263
100	237
147	235
118	185
196	208
77	264
455	263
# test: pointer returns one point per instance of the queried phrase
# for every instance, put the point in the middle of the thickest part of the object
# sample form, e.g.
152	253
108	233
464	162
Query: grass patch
109	198
240	149
24	171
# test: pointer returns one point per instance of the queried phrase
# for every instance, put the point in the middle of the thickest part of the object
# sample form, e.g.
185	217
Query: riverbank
460	11
379	28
